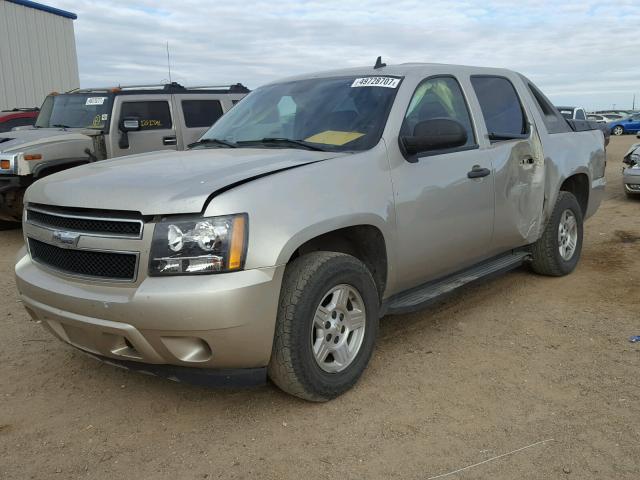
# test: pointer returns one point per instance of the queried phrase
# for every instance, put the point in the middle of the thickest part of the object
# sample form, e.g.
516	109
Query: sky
578	52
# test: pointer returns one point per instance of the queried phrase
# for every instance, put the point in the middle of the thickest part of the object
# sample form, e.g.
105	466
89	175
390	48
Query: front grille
96	226
88	263
634	186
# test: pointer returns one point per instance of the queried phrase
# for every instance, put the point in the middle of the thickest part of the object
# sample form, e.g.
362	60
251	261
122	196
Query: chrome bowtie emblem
66	239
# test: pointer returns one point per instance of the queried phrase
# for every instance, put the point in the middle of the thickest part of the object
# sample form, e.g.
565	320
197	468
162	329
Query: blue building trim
45	8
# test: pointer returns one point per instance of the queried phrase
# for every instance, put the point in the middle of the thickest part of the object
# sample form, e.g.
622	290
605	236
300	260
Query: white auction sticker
387	82
95	100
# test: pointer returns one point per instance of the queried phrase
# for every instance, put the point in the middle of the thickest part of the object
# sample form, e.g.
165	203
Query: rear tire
557	252
297	363
617	130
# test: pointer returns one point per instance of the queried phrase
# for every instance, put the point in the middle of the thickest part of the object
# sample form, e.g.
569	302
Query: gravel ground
514	361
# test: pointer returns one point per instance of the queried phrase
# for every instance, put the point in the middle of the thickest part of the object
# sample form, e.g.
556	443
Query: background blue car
626	125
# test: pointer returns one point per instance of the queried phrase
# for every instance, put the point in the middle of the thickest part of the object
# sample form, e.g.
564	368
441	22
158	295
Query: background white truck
86	125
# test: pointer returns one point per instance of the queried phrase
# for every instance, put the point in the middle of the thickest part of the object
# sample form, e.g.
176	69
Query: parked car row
630	124
273	244
603	118
619	113
578	120
617	123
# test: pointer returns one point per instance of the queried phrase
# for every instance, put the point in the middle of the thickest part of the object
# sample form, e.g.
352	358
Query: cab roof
403	70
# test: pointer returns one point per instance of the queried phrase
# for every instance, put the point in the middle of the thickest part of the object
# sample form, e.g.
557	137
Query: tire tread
282	367
545	261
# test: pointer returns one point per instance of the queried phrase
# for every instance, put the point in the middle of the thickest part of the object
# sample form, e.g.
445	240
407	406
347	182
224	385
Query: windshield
337	114
75	110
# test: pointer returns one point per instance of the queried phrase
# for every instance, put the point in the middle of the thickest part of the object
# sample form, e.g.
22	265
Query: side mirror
126	125
434	134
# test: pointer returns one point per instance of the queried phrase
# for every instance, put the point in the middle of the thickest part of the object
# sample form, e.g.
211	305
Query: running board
421	296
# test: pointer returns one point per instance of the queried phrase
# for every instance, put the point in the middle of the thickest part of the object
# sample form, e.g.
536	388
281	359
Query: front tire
617	130
557	252
326	327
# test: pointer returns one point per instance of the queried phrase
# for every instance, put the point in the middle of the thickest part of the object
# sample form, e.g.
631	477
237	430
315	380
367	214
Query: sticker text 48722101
95	100
387	82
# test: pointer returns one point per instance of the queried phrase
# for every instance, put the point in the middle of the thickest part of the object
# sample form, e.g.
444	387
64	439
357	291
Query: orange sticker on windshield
333	137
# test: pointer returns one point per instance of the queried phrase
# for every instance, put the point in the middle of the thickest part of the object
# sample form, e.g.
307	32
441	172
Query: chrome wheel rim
567	235
338	328
617	131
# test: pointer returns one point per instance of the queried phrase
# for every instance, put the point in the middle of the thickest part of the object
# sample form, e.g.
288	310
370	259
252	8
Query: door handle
478	172
169	141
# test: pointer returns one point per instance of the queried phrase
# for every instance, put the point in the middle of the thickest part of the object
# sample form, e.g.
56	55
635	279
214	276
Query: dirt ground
515	361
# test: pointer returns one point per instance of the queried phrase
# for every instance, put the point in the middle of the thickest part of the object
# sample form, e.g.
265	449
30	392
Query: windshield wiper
59	125
285	141
215	141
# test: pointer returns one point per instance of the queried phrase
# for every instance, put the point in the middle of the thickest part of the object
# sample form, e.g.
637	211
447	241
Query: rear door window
580	114
201	113
153	115
501	108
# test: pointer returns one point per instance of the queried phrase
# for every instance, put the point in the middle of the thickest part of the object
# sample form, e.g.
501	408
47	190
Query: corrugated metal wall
37	55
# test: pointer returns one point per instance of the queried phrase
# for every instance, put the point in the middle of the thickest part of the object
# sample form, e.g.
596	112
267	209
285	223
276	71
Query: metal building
37	53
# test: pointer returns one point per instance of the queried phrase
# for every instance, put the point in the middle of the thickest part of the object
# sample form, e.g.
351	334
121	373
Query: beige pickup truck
314	207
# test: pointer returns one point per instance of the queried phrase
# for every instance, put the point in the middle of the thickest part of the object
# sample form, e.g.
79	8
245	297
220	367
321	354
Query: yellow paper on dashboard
334	137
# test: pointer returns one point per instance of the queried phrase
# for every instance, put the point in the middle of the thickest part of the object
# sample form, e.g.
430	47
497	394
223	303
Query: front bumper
214	322
227	377
631	180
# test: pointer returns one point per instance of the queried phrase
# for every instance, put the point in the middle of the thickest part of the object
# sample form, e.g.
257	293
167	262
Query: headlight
201	245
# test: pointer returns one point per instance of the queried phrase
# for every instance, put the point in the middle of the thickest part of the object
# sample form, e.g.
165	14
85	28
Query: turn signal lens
238	239
33	156
5	164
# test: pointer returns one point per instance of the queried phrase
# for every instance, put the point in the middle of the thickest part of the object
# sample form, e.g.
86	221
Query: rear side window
438	97
580	115
551	117
201	113
501	107
153	115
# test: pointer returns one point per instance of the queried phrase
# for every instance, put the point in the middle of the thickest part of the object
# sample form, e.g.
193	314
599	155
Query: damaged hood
632	160
19	140
635	148
163	183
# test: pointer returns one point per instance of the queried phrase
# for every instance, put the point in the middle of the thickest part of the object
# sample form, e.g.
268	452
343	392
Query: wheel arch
579	185
363	240
54	166
613	127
